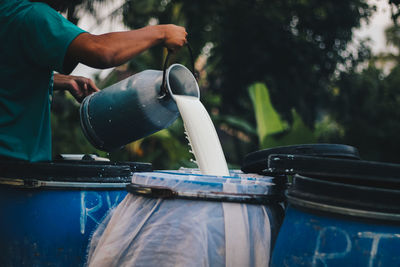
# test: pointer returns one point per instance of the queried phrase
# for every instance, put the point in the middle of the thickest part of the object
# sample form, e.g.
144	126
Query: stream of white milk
202	136
211	161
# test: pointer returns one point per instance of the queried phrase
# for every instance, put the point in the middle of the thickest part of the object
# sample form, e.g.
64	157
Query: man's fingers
93	86
87	86
77	92
78	86
175	37
90	86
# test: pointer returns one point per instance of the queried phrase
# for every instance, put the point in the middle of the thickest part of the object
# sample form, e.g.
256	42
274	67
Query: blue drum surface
50	210
309	239
51	227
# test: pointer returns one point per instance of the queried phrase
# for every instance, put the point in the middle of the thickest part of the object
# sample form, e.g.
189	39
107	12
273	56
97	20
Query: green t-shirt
33	41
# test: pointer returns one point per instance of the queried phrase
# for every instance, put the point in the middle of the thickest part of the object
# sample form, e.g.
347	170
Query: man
36	40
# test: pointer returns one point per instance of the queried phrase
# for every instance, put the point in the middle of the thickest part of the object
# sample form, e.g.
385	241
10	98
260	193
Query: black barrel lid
345	199
137	166
94	159
356	188
256	162
72	170
360	172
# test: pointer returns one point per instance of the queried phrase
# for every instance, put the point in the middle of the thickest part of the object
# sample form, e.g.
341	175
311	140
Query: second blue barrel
340	213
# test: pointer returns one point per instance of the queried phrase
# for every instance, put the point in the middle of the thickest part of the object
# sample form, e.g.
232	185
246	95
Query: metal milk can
137	106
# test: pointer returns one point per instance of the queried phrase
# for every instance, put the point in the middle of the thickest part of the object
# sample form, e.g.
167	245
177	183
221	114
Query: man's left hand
78	86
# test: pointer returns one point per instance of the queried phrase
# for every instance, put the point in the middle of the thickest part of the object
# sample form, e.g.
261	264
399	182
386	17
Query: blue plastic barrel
184	218
50	210
340	213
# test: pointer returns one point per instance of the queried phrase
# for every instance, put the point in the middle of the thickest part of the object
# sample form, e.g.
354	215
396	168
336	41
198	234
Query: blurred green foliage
268	120
271	73
272	130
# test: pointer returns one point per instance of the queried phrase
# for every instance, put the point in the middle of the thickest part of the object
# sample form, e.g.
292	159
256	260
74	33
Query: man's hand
174	36
79	87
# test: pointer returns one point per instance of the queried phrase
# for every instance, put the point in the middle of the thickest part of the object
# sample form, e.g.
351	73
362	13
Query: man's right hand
174	36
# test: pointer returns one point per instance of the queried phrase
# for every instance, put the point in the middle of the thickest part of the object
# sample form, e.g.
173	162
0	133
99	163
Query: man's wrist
159	32
61	82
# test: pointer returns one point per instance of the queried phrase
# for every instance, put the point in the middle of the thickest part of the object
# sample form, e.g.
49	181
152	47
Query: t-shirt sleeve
46	36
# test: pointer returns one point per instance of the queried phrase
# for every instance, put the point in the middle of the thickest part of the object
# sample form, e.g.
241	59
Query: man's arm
78	86
113	49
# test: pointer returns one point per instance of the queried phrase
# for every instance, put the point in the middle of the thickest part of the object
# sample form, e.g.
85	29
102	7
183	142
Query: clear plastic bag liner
189	180
143	231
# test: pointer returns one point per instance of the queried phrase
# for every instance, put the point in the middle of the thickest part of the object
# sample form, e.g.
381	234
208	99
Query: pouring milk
202	136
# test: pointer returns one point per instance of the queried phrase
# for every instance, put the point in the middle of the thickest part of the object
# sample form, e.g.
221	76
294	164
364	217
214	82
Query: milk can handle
164	90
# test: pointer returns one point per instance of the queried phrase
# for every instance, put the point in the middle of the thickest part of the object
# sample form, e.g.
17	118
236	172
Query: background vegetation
271	73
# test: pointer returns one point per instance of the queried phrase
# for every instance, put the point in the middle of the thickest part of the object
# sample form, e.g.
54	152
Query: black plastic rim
347	199
72	171
356	172
256	162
